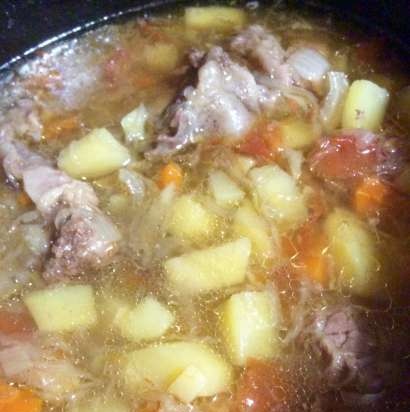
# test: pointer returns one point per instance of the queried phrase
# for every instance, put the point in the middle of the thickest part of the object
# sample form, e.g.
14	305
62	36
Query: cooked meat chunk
224	103
40	363
16	157
264	49
343	342
84	236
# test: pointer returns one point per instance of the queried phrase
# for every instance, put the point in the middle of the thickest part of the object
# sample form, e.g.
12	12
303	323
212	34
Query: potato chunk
265	241
133	124
365	106
95	155
209	269
160	367
249	326
297	134
161	57
62	308
214	17
189	220
279	195
148	320
188	385
224	190
353	249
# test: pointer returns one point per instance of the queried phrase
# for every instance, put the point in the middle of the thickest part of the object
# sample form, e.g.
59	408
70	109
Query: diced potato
95	155
133	124
249	326
245	163
209	269
188	385
148	320
117	203
224	190
279	195
161	57
191	221
214	17
365	106
353	249
157	367
247	223
62	308
99	404
297	134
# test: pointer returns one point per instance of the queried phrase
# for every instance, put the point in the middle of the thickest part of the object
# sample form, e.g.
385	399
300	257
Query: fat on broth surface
282	253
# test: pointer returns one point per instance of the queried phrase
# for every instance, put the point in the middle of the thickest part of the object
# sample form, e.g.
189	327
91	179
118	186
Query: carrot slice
171	174
61	126
23	199
18	400
12	323
370	195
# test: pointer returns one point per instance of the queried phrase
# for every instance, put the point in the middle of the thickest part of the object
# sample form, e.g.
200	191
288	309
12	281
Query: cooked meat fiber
264	49
84	236
224	103
344	343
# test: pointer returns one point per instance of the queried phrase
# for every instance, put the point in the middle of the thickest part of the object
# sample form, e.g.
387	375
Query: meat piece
41	364
50	188
352	154
264	48
224	103
84	237
16	156
346	351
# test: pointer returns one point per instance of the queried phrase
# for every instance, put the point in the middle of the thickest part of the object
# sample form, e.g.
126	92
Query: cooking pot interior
27	26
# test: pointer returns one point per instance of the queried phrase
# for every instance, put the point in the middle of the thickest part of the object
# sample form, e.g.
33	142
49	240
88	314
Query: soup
206	211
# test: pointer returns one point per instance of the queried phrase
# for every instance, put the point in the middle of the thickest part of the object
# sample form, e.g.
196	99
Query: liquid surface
240	244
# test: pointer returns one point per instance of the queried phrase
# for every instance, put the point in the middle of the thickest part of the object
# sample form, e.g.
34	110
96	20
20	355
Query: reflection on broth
206	211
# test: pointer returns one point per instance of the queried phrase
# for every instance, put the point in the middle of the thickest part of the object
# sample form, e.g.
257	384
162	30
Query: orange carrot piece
16	322
23	199
370	196
18	400
61	126
313	260
171	174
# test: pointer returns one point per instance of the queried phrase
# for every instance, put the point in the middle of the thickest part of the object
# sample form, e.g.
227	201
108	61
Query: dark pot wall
27	23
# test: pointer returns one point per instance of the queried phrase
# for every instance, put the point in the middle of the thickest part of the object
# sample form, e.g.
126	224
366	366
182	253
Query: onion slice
309	64
332	107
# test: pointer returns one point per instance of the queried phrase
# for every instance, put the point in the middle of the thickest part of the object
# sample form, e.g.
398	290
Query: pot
26	26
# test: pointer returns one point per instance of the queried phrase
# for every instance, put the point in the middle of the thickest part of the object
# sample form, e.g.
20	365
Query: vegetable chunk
365	106
189	220
188	385
133	124
148	320
353	249
95	155
297	134
209	269
225	191
279	195
249	224
249	326
214	17
160	367
63	308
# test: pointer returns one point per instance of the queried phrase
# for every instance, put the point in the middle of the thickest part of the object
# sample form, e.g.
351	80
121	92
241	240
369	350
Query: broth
206	211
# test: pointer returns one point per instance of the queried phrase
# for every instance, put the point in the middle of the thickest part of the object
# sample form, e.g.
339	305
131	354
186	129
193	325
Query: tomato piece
263	142
260	388
16	323
355	154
